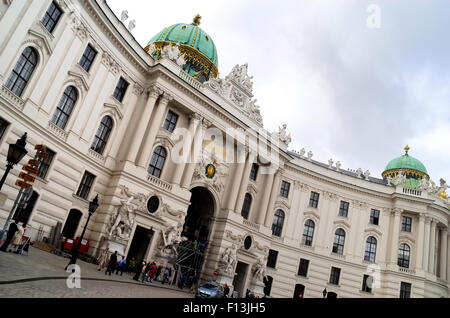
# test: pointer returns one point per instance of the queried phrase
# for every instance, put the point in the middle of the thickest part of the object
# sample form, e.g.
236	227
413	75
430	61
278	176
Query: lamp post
15	153
93	205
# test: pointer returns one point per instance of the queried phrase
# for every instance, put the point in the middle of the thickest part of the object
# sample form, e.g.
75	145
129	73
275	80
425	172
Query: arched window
277	225
102	135
339	239
246	206
308	233
371	249
157	162
22	71
65	107
403	255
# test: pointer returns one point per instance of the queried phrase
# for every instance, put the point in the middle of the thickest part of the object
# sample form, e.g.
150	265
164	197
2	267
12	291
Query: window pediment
373	231
79	80
342	222
312	214
114	108
40	40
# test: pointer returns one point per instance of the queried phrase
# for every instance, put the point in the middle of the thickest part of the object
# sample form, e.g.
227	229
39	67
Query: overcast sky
346	91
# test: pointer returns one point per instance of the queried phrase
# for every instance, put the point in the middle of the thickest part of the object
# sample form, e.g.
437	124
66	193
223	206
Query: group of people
149	272
14	236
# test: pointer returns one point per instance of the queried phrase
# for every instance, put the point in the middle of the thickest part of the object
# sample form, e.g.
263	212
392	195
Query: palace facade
255	215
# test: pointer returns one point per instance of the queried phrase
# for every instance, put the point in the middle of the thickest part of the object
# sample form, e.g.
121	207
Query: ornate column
431	262
194	122
426	254
233	187
273	195
269	180
443	255
420	241
448	256
155	125
138	138
244	181
196	150
395	233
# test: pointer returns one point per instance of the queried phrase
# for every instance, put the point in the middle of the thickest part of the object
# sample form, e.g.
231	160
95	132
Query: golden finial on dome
197	19
407	149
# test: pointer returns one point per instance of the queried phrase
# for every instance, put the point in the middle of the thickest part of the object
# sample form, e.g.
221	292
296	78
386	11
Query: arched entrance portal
196	229
199	214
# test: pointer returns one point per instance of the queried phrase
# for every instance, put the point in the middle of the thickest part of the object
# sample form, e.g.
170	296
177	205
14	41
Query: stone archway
198	219
197	230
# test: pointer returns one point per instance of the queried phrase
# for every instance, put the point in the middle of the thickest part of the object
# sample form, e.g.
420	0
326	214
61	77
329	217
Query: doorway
139	244
299	291
239	278
199	214
71	225
331	295
267	285
25	207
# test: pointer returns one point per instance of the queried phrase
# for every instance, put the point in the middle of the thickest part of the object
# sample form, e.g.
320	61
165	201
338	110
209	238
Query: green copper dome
407	164
196	45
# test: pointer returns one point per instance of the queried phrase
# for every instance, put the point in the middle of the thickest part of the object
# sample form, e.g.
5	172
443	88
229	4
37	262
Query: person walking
165	276
145	271
152	272
121	266
112	263
226	290
132	265
17	238
9	236
158	272
139	270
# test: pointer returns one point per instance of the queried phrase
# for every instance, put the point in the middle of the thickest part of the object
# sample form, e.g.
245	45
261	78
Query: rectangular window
254	172
88	58
45	163
284	191
272	259
121	89
374	216
314	200
405	290
406	224
334	276
303	268
3	125
367	283
51	17
343	209
85	185
171	121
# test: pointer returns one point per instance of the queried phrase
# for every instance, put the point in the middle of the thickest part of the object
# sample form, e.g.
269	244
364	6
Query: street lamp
93	205
15	153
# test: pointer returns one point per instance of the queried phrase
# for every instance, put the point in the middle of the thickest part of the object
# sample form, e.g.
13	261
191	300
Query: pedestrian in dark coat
158	271
9	236
112	263
139	270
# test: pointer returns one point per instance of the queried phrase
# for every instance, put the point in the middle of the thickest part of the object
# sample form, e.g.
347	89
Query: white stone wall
120	56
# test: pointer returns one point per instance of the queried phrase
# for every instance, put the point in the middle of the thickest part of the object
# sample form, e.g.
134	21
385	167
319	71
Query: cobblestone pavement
41	274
